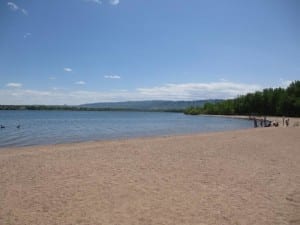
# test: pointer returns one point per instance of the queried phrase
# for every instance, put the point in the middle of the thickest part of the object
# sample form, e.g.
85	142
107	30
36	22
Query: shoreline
125	139
293	121
72	131
154	137
248	176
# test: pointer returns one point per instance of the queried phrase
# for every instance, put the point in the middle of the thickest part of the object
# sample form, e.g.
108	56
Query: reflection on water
52	127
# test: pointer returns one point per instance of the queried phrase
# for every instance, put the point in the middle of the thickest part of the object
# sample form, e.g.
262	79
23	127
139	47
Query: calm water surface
53	127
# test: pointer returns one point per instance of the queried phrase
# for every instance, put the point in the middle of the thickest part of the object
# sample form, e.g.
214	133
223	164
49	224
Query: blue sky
79	51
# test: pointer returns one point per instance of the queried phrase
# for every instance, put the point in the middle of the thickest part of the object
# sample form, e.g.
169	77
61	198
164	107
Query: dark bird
2	126
18	126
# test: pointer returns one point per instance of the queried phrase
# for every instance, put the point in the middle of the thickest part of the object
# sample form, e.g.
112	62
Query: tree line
270	101
44	107
79	108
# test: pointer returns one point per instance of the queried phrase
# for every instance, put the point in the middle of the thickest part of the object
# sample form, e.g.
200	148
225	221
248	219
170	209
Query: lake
53	127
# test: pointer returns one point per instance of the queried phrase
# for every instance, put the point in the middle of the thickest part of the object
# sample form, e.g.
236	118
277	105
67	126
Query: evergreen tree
272	102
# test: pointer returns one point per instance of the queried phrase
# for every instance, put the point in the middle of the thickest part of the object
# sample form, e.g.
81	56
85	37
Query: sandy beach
239	177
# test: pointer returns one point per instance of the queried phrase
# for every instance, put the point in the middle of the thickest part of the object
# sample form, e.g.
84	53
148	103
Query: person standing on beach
287	122
261	123
265	121
255	122
283	121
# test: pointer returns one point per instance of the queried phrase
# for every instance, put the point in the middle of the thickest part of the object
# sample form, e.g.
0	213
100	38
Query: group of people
267	123
262	122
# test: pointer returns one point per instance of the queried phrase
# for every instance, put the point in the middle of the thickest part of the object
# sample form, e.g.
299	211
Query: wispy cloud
14	85
12	6
192	91
66	69
52	78
94	1
15	7
112	77
114	2
99	2
59	96
285	83
188	91
24	11
223	80
80	82
27	35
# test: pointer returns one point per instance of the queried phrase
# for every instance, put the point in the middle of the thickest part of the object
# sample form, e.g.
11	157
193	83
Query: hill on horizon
150	105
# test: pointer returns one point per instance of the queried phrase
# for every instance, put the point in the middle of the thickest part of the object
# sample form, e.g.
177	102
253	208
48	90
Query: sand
239	177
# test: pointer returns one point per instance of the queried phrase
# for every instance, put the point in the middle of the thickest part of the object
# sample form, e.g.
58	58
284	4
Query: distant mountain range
155	105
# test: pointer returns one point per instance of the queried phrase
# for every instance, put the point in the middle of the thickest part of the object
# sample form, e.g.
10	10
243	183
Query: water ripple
53	127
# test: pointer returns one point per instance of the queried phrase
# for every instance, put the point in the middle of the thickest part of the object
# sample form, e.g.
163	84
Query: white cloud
80	82
223	80
14	85
94	1
192	91
27	35
12	6
59	96
15	7
112	77
66	69
285	83
114	2
187	91
52	78
24	11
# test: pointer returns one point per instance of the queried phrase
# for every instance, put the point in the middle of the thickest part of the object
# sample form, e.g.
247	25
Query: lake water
53	127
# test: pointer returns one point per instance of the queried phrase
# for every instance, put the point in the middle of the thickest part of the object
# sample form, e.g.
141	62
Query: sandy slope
240	177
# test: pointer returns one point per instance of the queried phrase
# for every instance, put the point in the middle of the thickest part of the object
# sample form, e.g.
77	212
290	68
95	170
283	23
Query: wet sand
238	177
